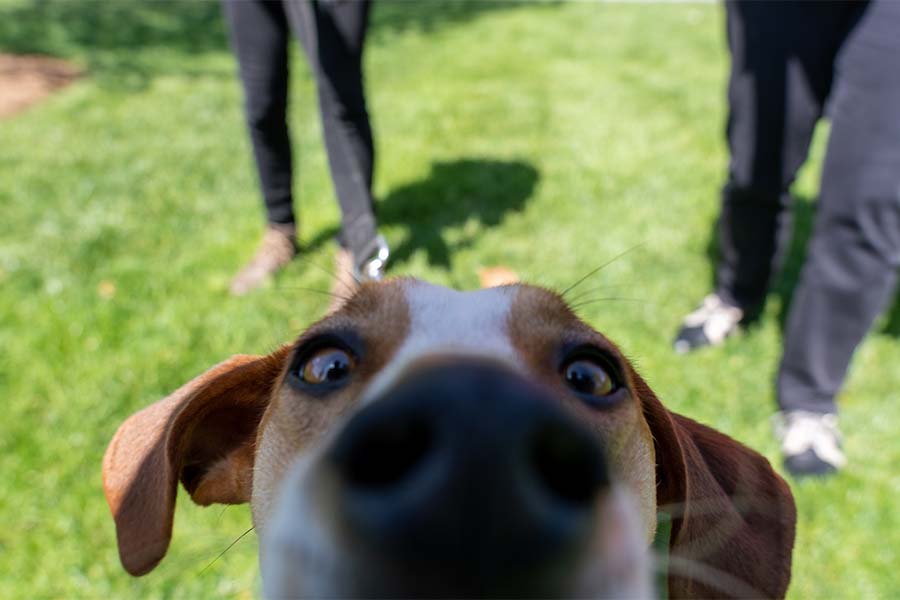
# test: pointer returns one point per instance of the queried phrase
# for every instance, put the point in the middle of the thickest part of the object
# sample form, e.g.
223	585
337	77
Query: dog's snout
565	464
382	453
468	469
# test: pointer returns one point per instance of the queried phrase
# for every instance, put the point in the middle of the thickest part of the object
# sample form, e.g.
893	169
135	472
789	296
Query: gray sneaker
709	325
349	276
373	267
810	442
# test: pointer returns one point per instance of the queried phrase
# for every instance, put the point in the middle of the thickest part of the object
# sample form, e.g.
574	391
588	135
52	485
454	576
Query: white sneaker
709	325
810	442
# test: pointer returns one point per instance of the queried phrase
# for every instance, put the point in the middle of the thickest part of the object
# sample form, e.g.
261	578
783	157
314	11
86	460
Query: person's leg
259	35
854	254
781	71
333	34
782	57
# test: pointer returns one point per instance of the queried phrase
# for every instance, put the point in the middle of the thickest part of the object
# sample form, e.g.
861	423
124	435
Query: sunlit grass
548	137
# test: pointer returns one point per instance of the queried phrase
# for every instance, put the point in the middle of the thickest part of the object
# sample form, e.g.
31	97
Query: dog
422	441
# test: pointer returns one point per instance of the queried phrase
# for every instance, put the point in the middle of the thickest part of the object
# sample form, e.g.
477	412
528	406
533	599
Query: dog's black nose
466	479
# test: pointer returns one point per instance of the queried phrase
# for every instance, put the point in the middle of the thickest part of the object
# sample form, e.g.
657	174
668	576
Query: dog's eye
590	375
586	377
328	365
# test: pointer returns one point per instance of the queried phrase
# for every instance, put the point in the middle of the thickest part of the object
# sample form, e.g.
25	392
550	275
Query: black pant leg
852	263
333	35
259	35
781	70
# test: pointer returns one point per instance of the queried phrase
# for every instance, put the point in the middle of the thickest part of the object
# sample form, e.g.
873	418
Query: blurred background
548	137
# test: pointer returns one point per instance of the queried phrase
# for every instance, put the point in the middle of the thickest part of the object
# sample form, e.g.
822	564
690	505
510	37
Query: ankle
286	229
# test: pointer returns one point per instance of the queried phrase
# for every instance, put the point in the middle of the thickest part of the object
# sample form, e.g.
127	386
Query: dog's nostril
567	465
384	455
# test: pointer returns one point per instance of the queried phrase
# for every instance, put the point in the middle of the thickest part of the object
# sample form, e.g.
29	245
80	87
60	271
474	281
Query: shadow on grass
121	43
892	320
452	194
784	284
112	37
455	194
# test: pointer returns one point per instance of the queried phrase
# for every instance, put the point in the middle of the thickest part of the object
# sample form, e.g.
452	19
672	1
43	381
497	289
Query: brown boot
277	249
346	281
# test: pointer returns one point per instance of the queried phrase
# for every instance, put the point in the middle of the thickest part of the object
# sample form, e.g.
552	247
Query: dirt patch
27	79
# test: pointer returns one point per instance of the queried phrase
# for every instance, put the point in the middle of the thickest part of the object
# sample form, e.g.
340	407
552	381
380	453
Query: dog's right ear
733	516
203	434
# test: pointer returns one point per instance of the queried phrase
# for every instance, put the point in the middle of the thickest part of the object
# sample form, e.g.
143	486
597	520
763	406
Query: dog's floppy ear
733	517
204	435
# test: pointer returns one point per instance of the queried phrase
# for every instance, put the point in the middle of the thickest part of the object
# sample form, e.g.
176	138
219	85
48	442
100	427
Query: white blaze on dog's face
397	328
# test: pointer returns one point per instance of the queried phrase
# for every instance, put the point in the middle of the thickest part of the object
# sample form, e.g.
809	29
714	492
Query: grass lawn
546	137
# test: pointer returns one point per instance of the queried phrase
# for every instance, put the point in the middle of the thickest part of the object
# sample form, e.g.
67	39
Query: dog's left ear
204	435
733	516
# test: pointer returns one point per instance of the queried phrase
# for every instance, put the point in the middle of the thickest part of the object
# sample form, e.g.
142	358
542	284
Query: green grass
547	137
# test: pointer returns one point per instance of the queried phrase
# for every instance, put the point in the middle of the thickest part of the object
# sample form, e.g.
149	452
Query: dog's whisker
585	293
222	553
584	303
316	291
331	272
598	269
307	260
347	287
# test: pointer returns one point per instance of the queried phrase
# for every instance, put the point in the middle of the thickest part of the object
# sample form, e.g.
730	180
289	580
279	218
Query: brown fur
212	418
734	517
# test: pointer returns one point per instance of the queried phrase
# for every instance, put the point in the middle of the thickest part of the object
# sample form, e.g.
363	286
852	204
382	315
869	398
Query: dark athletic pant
332	34
787	60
